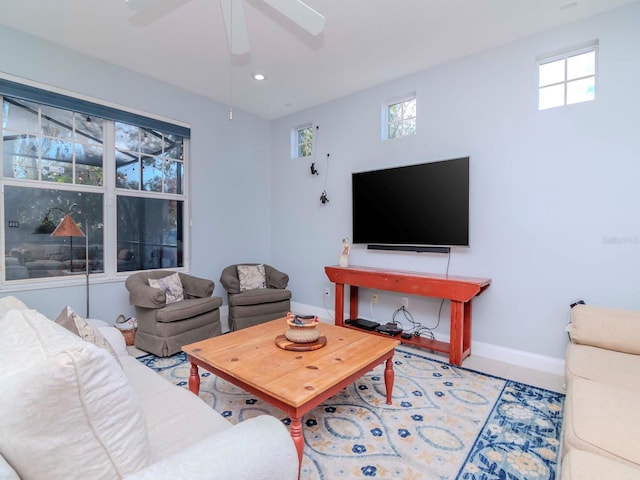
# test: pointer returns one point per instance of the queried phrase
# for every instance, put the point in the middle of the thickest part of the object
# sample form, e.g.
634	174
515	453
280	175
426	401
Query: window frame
295	146
108	188
565	55
386	122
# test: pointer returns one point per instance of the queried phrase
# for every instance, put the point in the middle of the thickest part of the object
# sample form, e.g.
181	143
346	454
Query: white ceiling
364	43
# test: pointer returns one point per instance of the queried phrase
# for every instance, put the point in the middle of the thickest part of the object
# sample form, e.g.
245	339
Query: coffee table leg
298	438
194	379
389	377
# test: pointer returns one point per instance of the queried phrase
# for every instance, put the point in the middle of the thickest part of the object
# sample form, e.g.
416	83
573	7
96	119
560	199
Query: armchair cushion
251	277
187	309
171	285
259	296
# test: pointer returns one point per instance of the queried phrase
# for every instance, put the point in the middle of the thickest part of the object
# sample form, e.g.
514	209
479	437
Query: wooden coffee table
294	382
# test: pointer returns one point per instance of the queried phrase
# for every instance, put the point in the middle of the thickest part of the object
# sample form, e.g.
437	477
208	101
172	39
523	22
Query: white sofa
70	409
601	429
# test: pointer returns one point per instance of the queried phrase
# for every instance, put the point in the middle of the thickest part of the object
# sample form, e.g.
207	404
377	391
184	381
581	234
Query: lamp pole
68	228
86	251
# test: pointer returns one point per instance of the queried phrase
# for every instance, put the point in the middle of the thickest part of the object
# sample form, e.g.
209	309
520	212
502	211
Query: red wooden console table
459	290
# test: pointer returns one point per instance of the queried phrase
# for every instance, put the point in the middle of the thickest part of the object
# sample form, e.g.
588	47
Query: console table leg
339	304
457	333
194	379
298	439
389	378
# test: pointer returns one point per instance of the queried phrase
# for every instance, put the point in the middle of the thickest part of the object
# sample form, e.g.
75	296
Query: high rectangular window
399	118
302	142
567	78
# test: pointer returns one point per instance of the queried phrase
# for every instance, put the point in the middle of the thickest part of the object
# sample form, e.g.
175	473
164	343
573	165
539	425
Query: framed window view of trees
59	160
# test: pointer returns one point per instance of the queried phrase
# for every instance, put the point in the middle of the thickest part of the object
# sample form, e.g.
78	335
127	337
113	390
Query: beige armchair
255	306
163	328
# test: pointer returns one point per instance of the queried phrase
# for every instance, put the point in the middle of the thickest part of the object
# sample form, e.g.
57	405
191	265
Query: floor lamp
68	228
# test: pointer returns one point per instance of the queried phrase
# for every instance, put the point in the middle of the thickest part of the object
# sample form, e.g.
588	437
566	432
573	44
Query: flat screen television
412	207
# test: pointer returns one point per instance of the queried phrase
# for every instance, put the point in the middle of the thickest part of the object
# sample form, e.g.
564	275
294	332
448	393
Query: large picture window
59	159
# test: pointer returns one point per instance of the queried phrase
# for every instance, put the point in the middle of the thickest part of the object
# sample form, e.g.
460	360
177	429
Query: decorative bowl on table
302	328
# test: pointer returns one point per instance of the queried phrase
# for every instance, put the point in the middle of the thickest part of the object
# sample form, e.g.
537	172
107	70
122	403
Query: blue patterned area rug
446	422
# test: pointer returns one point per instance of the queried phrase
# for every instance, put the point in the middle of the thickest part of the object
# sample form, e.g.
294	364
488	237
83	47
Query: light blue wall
229	162
548	189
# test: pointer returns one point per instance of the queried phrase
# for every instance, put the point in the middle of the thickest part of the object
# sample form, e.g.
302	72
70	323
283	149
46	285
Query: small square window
302	142
399	118
567	78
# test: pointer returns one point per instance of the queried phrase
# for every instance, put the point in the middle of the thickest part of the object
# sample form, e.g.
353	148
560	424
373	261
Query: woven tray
286	344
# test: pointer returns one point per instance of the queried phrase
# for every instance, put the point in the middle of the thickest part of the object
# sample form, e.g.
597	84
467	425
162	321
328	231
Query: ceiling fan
148	11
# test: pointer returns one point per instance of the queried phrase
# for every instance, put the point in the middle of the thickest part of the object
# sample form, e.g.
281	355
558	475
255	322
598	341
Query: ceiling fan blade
300	13
236	26
149	11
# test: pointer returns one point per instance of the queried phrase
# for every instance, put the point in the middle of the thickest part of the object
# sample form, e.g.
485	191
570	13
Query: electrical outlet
375	298
405	302
327	292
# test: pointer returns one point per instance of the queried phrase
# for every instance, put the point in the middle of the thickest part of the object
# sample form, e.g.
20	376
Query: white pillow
73	415
170	285
11	303
27	336
251	277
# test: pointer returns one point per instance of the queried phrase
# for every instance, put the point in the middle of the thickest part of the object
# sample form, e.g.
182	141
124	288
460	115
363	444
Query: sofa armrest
229	279
142	295
195	286
607	328
276	278
259	448
6	471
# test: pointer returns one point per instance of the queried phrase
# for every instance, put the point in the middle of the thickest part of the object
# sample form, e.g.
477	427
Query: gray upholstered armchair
248	307
163	328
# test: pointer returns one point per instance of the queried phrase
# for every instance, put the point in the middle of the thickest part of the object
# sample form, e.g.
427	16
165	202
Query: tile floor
530	376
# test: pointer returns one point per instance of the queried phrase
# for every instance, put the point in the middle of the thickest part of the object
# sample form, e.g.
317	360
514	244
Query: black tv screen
415	205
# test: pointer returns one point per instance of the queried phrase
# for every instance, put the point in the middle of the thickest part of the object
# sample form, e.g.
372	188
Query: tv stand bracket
459	290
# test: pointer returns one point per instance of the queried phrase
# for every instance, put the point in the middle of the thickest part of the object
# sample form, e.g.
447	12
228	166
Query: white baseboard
481	349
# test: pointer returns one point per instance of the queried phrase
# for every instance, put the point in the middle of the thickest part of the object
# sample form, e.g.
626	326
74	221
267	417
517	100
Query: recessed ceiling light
259	76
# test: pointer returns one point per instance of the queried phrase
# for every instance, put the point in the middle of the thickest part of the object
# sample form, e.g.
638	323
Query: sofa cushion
72	415
608	328
579	465
603	419
27	336
170	285
80	327
187	309
251	277
602	365
180	420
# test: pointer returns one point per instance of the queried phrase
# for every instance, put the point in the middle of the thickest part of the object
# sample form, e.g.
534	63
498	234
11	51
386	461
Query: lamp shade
67	228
